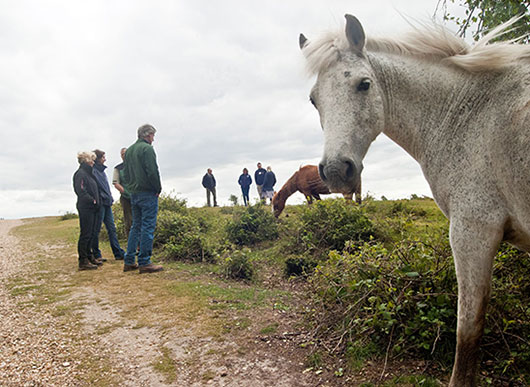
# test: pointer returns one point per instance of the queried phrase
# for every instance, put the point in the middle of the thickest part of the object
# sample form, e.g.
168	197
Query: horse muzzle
340	175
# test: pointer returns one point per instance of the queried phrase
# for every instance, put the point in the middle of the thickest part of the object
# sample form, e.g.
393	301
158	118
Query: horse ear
302	41
355	33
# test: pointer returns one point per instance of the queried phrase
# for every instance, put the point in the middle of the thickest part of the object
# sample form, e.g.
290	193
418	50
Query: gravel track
33	352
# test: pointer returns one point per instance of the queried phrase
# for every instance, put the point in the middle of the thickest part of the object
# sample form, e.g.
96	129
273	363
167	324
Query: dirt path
110	328
32	351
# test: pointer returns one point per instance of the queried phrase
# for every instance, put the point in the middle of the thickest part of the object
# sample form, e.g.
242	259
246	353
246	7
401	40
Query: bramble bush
329	224
180	237
506	340
238	265
69	215
403	299
251	225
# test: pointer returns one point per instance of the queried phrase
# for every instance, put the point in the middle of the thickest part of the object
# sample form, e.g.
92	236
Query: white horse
463	112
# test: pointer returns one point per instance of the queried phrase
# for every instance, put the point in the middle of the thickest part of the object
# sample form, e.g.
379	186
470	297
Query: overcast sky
223	82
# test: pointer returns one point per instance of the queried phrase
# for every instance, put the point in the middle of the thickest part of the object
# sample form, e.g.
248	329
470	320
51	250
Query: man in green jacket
142	178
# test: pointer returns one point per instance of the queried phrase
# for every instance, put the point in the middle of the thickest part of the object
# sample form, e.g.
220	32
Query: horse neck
289	188
425	102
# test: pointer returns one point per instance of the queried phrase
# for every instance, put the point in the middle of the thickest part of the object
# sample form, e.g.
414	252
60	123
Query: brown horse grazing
307	181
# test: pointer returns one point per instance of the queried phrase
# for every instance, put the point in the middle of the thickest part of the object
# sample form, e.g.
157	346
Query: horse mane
429	42
289	188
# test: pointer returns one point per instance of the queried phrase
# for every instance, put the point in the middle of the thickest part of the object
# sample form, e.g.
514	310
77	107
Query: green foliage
238	265
69	215
251	225
167	202
233	199
403	299
180	236
299	266
329	224
508	319
117	212
483	15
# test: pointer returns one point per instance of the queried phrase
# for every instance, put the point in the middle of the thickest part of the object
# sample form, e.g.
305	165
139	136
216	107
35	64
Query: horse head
349	102
277	204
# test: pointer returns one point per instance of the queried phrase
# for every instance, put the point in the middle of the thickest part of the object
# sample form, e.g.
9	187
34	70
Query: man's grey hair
146	130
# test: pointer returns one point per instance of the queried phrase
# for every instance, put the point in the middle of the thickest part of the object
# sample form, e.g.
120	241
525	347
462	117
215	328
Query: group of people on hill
264	179
138	180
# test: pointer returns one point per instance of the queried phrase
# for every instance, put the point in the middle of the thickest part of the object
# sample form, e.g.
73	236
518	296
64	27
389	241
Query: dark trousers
87	225
127	214
244	190
213	193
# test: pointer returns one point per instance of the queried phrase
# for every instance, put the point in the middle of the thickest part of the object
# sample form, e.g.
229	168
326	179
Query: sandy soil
35	349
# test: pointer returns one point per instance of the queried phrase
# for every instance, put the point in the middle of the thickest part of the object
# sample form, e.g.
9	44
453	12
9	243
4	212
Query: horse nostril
321	172
350	169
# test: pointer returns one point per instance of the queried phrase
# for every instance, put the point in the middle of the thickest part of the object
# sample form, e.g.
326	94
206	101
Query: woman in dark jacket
245	181
88	202
268	185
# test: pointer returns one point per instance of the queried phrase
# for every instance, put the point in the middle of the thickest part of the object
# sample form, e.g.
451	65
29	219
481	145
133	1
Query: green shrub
299	266
167	202
238	265
505	341
117	212
251	225
69	215
403	299
180	237
329	224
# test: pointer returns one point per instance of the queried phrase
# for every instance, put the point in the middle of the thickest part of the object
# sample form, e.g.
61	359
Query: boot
84	264
132	267
95	261
150	268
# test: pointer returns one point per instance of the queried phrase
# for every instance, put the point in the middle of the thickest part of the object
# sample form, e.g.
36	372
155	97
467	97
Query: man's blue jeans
106	217
144	210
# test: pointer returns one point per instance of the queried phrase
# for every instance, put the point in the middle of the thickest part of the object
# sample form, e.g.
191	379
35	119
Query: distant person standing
86	189
259	176
268	184
245	181
125	196
105	215
208	182
143	182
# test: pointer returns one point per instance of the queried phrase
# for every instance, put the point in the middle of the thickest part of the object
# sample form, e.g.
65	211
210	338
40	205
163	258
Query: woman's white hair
85	157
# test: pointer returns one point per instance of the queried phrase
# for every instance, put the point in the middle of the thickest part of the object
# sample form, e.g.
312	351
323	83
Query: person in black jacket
259	176
88	202
208	182
268	185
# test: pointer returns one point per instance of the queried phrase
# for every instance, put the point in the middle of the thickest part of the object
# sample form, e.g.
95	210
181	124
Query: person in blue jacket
105	212
259	175
268	185
245	181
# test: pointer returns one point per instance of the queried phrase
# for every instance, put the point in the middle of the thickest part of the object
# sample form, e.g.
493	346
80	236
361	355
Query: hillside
289	323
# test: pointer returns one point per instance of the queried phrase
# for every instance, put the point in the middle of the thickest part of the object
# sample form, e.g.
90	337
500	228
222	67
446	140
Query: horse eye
313	102
364	85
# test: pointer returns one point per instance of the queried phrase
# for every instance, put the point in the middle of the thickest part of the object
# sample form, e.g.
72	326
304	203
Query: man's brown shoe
95	261
86	265
150	268
130	267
